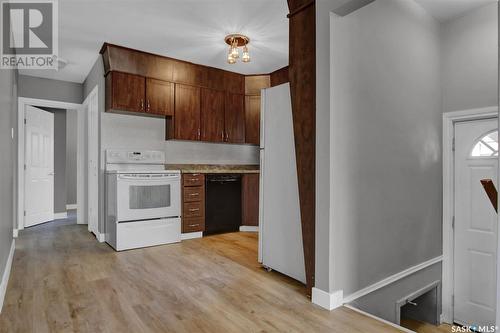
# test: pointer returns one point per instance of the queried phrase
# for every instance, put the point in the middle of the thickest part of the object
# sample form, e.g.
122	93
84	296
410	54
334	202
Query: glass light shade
246	56
230	59
235	53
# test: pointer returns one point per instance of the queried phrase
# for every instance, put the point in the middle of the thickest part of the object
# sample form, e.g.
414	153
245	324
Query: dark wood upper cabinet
159	97
212	115
279	77
187	112
235	118
198	102
125	92
252	119
254	83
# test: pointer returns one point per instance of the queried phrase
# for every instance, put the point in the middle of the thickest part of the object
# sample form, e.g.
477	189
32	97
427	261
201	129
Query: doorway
476	227
37	157
470	225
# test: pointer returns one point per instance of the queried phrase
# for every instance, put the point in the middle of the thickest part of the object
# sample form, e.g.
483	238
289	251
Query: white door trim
92	131
22	103
449	120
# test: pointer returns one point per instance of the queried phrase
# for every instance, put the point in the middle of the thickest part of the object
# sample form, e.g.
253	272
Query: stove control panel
135	156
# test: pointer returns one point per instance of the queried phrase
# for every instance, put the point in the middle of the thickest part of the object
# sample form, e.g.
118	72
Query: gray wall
470	60
386	143
323	255
8	110
71	155
133	132
59	160
34	87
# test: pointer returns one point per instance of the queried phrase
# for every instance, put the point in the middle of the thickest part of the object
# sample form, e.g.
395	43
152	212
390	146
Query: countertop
213	168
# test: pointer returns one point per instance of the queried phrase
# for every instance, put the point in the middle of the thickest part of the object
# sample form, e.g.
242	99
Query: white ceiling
191	30
444	10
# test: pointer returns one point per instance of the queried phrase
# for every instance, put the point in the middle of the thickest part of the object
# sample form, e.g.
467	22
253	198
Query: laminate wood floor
421	327
62	280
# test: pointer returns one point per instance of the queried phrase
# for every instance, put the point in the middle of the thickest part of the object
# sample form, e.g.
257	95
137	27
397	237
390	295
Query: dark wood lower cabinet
250	199
193	202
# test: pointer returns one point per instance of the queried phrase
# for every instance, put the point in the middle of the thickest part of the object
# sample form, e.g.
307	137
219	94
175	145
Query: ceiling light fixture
235	41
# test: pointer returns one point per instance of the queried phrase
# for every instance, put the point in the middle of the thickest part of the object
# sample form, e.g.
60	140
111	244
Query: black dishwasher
223	203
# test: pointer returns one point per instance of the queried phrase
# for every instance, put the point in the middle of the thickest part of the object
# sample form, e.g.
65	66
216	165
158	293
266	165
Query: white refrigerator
280	231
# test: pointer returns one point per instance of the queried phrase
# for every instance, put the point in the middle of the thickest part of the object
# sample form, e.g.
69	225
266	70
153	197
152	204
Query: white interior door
39	166
476	225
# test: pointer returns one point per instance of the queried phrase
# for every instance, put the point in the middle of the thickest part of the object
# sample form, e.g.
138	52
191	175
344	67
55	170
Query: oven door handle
149	177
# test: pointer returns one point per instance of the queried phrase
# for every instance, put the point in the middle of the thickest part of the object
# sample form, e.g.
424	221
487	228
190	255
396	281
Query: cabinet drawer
194	209
193	194
193	179
193	224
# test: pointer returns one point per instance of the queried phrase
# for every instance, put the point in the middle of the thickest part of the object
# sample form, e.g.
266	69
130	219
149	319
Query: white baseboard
248	228
15	233
391	279
71	206
6	274
191	235
326	300
379	319
58	216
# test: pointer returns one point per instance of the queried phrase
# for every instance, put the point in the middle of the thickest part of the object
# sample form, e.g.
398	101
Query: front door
39	168
476	223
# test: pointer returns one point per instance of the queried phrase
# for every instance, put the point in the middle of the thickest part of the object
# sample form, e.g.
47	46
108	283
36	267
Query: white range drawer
132	235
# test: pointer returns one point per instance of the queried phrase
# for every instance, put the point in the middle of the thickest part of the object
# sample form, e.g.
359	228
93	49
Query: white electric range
143	200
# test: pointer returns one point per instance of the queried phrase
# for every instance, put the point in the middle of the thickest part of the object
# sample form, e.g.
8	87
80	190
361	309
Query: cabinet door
252	119
235	118
250	198
128	92
254	83
159	97
212	115
187	112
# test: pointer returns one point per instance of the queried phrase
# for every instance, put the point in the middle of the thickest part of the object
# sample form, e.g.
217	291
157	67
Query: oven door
148	196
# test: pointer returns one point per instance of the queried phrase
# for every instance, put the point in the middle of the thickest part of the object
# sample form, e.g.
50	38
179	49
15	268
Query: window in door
486	146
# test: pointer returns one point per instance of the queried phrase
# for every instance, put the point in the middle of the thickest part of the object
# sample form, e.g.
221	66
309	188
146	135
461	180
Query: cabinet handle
227	137
142	104
193	225
194	209
222	135
148	106
199	133
194	194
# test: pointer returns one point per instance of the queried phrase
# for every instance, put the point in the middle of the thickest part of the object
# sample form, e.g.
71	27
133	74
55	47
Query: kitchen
201	156
195	103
